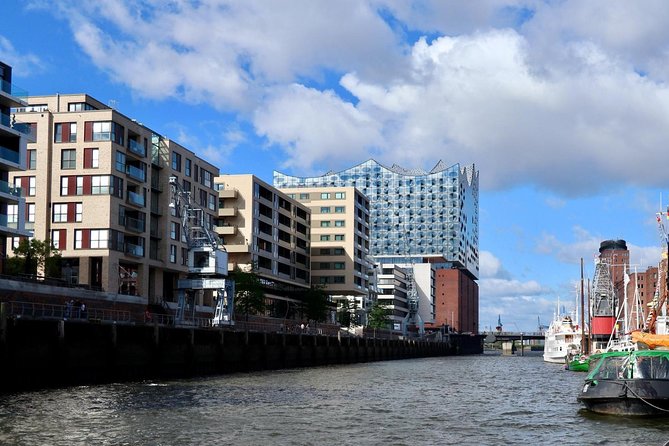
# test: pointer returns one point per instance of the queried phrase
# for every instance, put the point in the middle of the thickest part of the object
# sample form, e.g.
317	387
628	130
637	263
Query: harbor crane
207	262
659	299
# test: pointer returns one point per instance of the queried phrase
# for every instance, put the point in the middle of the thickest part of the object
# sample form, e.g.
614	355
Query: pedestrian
68	308
82	310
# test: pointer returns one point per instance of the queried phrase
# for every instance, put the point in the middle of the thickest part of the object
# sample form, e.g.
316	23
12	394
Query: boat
562	338
631	383
577	363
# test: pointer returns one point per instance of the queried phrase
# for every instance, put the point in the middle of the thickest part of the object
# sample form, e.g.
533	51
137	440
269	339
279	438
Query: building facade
14	137
340	238
97	186
263	228
428	216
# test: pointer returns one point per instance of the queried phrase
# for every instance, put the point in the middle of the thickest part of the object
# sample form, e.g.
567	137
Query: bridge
508	340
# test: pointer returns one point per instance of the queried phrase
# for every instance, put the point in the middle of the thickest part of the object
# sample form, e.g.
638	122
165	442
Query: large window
65	132
325	195
100	185
173	254
12	215
59	213
67	212
99	238
104	131
187	167
68	159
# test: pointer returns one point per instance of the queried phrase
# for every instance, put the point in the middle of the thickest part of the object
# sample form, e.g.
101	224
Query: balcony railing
9	155
13	89
136	199
4	221
8	188
134	224
135	172
137	148
134	250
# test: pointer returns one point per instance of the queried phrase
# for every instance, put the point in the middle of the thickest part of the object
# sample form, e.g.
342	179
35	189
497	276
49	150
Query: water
471	400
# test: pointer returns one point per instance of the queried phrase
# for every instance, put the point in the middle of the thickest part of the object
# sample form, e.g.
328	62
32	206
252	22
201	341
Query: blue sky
562	106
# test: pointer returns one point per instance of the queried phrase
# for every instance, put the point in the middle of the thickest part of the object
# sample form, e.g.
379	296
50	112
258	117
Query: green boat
577	363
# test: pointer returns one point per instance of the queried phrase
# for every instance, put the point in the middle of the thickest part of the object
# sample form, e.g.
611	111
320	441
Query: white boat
562	338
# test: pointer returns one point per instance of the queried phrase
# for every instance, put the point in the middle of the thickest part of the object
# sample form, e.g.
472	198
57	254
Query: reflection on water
472	400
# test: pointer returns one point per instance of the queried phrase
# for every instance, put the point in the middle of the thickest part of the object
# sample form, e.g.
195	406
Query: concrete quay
38	353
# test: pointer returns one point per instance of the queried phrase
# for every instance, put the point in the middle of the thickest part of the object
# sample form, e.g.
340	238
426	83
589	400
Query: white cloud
21	62
502	87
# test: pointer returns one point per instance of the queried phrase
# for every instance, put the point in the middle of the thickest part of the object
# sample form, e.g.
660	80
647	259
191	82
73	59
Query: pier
508	340
37	352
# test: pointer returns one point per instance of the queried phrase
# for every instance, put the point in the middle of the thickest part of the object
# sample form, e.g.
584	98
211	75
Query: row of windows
337	209
201	175
327	237
328	223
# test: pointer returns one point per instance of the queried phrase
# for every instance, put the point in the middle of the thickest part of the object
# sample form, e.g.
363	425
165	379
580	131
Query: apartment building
263	228
97	186
340	240
14	137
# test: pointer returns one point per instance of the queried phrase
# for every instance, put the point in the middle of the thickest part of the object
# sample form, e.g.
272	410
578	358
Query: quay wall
38	353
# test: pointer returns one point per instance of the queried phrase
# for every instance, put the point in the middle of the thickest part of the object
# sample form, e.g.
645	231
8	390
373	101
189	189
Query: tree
315	303
379	316
33	257
345	314
249	292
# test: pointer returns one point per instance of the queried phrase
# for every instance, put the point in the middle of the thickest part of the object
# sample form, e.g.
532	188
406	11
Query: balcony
9	189
243	248
134	250
12	95
227	193
227	212
9	155
226	230
136	199
134	224
137	148
135	172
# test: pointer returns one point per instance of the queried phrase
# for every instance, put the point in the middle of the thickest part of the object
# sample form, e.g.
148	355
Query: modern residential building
340	237
391	283
97	186
417	216
14	137
263	228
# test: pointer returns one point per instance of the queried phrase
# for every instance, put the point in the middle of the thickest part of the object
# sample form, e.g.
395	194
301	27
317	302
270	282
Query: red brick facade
456	300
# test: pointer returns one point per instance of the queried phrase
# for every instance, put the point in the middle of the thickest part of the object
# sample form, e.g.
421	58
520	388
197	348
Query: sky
562	106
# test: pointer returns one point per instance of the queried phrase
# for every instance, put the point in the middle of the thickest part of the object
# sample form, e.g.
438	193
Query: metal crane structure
659	299
412	318
207	262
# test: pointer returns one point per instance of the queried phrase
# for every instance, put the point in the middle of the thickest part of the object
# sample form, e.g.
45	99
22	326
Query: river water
468	400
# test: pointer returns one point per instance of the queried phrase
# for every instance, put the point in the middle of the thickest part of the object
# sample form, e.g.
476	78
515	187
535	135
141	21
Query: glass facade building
414	213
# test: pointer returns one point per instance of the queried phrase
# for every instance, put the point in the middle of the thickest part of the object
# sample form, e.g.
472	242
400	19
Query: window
32	159
79	106
339	237
187	167
78	237
325	209
104	131
174	231
12	215
340	195
339	265
339	223
120	161
65	132
325	238
325	224
340	209
176	161
32	186
338	251
91	158
100	185
59	213
68	159
67	212
30	217
325	195
173	254
56	239
304	196
101	131
99	238
78	212
207	178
